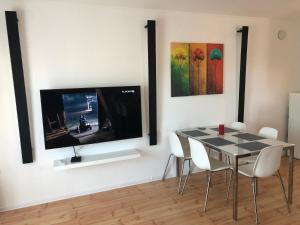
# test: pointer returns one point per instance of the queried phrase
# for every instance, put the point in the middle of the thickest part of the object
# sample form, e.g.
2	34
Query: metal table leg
291	175
221	158
235	187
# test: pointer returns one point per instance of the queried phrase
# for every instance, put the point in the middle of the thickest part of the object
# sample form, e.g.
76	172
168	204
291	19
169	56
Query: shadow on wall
2	200
1	195
270	75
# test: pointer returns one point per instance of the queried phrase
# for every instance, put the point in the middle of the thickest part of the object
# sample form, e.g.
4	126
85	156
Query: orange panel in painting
198	62
215	68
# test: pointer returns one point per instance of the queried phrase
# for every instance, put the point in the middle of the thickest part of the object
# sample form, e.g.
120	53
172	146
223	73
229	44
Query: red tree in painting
198	56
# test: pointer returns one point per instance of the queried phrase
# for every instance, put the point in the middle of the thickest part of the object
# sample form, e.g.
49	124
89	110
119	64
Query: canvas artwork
196	69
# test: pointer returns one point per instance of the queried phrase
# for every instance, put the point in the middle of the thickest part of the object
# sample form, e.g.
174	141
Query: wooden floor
157	203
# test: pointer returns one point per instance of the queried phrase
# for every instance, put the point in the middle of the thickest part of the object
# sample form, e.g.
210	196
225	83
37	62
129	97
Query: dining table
236	144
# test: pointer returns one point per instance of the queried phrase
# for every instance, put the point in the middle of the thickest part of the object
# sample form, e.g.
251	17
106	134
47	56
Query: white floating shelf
92	160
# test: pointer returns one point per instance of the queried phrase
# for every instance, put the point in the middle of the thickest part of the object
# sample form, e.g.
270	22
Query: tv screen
89	115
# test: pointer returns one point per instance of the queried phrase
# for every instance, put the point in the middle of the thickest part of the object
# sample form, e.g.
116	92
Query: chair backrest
238	126
199	154
268	161
175	145
268	132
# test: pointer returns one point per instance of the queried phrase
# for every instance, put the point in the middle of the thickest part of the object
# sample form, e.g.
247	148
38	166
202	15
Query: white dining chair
267	164
238	126
176	151
201	159
266	132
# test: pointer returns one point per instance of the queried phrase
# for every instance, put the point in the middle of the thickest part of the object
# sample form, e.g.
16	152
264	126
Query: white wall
67	45
271	75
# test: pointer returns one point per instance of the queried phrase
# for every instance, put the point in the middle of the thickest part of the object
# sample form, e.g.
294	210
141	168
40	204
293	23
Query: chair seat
246	169
249	159
217	165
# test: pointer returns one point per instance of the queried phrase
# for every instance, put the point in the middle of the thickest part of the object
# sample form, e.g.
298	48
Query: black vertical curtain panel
152	81
19	84
243	66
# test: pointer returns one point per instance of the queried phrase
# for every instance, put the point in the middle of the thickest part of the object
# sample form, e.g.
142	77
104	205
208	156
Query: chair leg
181	174
254	186
207	190
283	191
228	159
186	178
229	185
164	175
207	176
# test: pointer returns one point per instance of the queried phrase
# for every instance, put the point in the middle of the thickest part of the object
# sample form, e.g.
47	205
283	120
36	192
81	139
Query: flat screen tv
90	115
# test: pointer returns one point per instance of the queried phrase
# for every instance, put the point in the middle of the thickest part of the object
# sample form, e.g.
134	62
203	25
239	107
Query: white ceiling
255	8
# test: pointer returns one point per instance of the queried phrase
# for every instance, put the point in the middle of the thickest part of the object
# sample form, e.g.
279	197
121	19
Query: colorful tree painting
196	69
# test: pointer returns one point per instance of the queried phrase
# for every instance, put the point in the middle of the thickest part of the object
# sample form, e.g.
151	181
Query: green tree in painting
198	57
215	56
180	71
